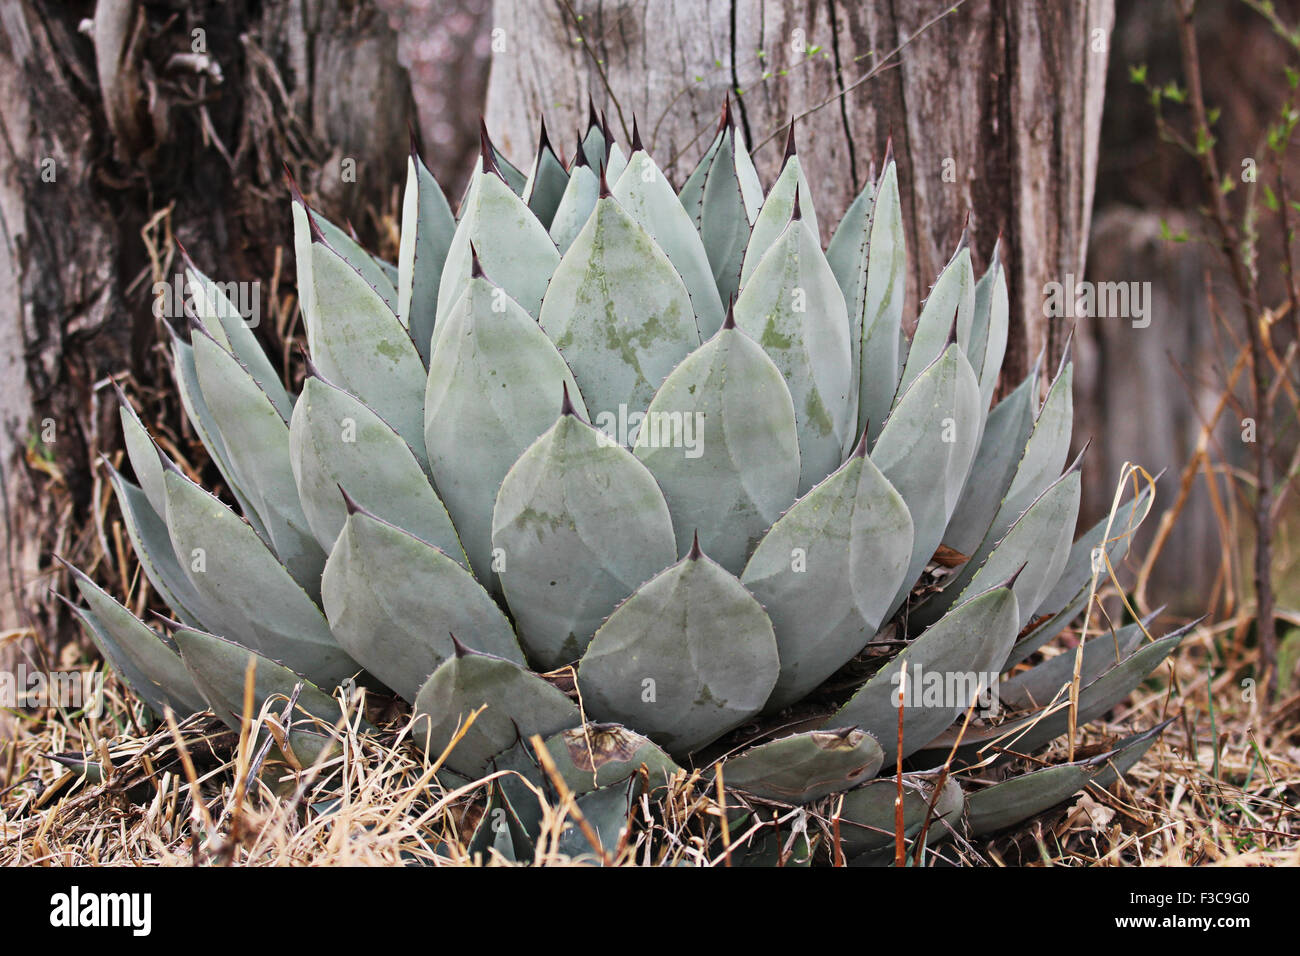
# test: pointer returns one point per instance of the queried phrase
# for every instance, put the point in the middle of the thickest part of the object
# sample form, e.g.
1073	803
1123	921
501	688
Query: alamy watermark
69	690
241	300
658	429
947	689
1098	300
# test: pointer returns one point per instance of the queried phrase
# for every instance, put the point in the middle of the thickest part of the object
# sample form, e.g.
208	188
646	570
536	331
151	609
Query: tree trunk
995	109
123	124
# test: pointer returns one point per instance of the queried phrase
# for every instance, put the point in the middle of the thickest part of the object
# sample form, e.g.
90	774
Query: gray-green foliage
543	442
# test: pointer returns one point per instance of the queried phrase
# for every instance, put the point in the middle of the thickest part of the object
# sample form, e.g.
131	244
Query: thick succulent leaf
647	196
218	668
1127	752
519	704
1012	801
617	163
985	341
576	205
607	812
971	641
511	174
1001	446
594	145
847	256
393	601
511	244
772	847
805	767
363	348
1019	798
719	438
139	655
686	658
827	572
196	410
358	257
1037	686
147	531
1028	734
493	383
579	524
1044	455
691	194
500	829
926	449
547	181
1057	610
775	214
224	322
252	597
1039	542
952	299
792	306
1117	534
725	217
880	312
257	442
143	453
618	312
595	756
867	815
590	758
336	441
427	230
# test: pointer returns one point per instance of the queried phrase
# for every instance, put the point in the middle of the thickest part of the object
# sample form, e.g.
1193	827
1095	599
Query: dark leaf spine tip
695	552
889	153
475	266
415	146
121	395
167	463
604	183
73	607
312	370
580	157
1010	582
314	227
964	241
593	121
636	137
730	321
185	256
1068	351
543	141
796	214
349	502
67	566
352	231
725	122
860	449
1078	459
487	152
952	328
790	149
294	192
566	403
459	649
604	130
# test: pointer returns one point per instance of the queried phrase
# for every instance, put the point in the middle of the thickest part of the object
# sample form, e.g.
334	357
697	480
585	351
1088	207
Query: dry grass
1221	788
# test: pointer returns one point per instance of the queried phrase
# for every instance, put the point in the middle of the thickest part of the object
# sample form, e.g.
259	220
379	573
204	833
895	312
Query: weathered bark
1006	94
121	126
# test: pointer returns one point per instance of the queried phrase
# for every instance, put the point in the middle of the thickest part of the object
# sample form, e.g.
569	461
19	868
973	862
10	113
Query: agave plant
651	476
